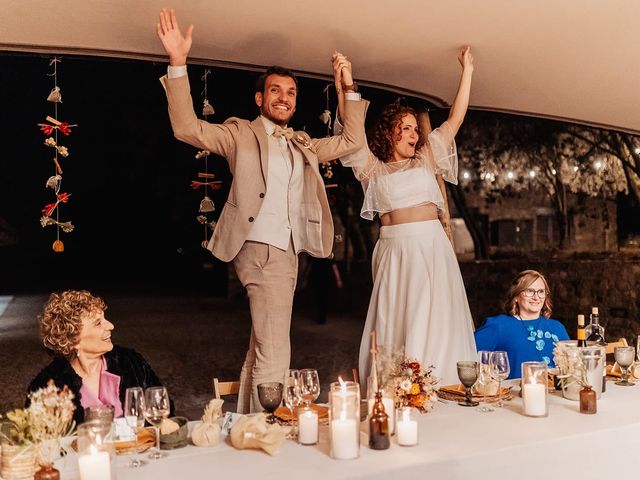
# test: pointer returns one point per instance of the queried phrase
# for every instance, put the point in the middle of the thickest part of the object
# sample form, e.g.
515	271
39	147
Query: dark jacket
128	364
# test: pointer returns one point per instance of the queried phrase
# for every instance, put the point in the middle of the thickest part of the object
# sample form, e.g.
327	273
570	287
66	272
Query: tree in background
504	155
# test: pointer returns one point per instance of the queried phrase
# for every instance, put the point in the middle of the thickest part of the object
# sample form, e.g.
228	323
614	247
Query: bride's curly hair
384	133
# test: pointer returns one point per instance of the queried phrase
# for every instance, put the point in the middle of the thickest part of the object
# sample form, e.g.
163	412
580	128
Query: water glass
468	374
624	356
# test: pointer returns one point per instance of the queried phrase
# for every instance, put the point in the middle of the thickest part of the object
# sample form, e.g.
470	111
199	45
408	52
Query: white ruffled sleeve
444	151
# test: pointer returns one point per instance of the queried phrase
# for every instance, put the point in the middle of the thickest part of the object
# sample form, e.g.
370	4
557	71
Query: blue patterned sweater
523	340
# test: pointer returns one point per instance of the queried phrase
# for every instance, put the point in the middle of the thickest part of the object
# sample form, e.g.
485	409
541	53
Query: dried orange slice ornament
58	246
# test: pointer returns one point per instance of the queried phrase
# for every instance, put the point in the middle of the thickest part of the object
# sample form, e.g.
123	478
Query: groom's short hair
274	70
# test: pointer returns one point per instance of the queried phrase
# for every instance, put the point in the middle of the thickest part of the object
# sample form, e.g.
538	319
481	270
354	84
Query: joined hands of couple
178	46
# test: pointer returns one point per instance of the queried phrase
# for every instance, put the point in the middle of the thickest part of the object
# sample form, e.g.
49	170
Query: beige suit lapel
261	135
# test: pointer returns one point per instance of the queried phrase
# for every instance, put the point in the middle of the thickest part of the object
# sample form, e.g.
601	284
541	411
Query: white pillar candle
308	427
344	439
407	430
389	408
95	466
534	399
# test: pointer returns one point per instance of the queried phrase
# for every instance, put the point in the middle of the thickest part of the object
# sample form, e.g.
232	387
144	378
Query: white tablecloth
455	442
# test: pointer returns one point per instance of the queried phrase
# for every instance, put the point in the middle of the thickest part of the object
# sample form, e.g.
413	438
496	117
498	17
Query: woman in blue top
526	332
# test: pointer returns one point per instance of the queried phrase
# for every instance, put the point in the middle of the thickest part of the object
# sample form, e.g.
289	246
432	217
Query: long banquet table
454	443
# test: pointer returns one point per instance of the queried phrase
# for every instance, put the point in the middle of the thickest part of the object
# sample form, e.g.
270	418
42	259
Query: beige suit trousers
269	275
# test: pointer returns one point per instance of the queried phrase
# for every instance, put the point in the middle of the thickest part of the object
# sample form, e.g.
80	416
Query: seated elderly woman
73	327
525	332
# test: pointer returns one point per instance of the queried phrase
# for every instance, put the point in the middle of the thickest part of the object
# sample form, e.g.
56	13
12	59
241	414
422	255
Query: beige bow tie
283	132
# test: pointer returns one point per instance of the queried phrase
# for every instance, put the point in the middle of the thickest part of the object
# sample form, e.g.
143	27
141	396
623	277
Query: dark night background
131	203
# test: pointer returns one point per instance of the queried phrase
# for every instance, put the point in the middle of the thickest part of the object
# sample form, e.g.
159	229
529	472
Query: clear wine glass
291	396
484	376
134	416
624	356
500	370
309	385
156	401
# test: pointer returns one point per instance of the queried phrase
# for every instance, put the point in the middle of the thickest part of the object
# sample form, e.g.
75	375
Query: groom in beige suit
277	205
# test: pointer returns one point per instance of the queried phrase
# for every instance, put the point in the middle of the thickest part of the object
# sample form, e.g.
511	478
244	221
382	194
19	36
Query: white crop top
392	185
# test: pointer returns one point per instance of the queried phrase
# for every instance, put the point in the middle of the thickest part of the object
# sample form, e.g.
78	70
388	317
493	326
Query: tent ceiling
576	60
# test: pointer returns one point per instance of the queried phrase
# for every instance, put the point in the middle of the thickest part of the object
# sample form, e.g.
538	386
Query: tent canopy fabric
571	60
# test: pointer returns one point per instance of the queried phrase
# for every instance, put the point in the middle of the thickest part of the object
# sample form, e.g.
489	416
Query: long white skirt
418	302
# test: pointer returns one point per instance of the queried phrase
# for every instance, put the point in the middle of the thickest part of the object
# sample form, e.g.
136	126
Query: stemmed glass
270	396
468	374
484	359
291	395
624	356
309	385
500	369
134	416
156	401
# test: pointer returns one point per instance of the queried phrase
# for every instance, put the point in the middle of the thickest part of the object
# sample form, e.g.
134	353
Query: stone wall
609	283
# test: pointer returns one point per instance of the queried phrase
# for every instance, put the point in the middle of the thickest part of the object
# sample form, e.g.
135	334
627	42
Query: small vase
588	402
47	472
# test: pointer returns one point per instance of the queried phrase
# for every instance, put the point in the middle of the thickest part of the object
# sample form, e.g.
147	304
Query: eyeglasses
530	292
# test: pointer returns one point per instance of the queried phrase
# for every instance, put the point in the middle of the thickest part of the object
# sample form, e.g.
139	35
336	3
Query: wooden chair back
225	388
611	346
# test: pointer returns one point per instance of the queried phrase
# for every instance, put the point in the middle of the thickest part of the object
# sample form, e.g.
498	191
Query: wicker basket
18	462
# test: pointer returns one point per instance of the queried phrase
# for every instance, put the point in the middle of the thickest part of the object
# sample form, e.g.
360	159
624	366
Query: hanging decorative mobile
206	179
51	129
325	117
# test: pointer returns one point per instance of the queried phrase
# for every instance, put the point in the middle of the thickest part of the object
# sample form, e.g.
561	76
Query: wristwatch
350	88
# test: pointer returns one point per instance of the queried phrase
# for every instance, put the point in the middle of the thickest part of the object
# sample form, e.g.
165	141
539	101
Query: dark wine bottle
595	331
582	337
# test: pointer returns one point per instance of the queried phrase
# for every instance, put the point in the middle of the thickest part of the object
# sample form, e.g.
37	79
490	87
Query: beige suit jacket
245	146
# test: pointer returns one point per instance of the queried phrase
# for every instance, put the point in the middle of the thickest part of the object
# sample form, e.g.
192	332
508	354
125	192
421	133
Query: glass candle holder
344	420
534	389
407	426
96	452
307	426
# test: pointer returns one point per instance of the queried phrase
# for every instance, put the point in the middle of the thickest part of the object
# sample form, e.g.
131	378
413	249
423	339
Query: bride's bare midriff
419	213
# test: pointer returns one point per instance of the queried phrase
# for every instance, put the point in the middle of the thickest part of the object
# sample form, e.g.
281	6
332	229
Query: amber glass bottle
379	425
582	337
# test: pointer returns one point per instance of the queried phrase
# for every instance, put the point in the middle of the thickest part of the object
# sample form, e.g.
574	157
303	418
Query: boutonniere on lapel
304	140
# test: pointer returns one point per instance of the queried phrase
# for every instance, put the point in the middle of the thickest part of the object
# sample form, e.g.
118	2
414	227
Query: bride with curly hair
418	302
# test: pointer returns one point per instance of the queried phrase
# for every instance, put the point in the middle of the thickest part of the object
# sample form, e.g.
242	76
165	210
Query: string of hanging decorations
51	128
206	180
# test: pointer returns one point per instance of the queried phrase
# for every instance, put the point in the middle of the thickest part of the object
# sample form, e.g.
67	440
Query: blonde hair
519	284
61	322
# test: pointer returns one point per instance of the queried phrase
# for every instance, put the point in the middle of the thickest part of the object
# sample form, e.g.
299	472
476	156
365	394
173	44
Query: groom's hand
176	45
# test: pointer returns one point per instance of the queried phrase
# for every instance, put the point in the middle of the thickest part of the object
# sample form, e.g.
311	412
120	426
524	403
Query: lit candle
94	466
308	427
406	428
344	439
534	399
344	404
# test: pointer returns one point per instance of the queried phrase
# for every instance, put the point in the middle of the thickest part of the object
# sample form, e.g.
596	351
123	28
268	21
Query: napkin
207	432
255	432
168	426
485	386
